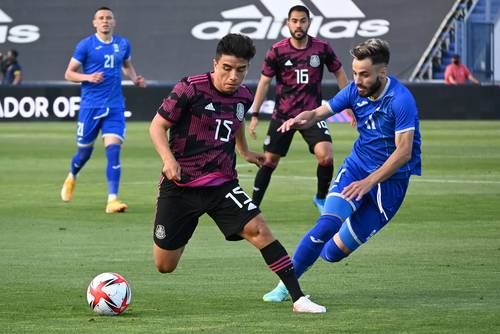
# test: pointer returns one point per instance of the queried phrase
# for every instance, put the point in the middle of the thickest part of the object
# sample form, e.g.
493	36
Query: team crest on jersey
116	48
160	232
240	111
314	61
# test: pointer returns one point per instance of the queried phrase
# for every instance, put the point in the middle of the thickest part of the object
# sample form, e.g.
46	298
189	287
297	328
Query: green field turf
434	269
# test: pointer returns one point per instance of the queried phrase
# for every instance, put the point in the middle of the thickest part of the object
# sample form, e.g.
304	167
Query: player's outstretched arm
306	119
129	70
73	73
158	133
260	95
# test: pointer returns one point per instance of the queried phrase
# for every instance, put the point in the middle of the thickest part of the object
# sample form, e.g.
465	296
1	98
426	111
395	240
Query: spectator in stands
457	73
11	70
1	66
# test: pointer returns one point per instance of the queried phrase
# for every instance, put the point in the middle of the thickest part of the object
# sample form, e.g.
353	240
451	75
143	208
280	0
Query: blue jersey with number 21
378	122
96	56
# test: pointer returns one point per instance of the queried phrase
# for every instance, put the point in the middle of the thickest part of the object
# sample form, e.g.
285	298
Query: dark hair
102	8
237	45
14	52
376	49
299	8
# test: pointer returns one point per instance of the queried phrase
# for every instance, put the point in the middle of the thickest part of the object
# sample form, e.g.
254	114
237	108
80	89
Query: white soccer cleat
305	305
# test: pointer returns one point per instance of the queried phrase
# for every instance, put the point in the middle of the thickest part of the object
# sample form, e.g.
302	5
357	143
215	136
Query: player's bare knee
165	267
340	244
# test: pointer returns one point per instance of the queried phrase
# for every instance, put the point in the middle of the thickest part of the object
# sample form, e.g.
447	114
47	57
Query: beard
298	38
372	89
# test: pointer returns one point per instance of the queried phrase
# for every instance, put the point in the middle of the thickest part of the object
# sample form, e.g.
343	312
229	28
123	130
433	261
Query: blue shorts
375	209
111	122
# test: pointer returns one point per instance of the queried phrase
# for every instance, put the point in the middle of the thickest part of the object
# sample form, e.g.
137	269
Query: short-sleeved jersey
203	132
298	75
96	56
10	73
459	72
379	120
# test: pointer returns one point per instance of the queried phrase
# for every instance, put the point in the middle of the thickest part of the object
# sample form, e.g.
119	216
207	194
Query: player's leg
238	218
276	146
86	133
176	218
336	210
113	132
377	210
320	143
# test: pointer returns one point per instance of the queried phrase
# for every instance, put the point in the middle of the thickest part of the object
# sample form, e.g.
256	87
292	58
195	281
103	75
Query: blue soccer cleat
277	295
320	203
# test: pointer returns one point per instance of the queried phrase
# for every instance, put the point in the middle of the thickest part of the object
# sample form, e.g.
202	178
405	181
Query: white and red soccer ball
109	294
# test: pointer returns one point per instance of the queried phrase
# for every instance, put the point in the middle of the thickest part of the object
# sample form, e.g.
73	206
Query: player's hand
252	126
292	123
140	81
171	170
353	122
255	158
357	189
95	77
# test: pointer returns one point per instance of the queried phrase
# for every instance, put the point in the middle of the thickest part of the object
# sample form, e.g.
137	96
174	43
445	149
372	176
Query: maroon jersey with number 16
298	75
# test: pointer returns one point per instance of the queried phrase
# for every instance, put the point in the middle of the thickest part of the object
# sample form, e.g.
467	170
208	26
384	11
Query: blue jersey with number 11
378	121
96	56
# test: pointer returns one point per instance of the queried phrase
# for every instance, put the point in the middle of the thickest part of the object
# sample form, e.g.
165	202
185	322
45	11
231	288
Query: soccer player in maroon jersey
204	117
297	62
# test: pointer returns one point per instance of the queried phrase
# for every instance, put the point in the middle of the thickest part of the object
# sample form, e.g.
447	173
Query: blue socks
332	253
312	243
80	158
113	170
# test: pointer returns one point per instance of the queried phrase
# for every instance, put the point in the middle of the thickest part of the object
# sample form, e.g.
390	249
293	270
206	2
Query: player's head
12	54
298	22
369	65
231	62
104	20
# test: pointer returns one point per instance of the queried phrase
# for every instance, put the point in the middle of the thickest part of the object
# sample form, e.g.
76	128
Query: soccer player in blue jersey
97	63
371	185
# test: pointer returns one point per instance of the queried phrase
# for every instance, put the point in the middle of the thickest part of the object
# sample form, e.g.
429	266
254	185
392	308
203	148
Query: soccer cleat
320	203
116	205
305	305
68	187
277	295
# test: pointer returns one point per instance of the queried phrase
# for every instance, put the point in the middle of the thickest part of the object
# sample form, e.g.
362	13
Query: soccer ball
109	294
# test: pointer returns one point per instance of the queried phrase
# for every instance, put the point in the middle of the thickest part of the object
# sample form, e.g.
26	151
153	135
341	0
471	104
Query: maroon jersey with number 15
204	125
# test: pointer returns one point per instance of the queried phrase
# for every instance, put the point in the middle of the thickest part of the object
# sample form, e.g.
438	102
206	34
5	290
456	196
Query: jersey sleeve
332	63
341	101
177	101
269	65
80	53
405	112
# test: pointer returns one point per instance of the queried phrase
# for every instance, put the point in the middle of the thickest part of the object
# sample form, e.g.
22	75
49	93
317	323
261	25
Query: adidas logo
210	106
288	63
249	20
25	33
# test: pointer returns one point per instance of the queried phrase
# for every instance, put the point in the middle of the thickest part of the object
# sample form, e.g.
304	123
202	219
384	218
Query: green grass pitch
434	269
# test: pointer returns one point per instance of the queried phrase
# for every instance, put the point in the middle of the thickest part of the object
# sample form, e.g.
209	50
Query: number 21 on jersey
109	61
